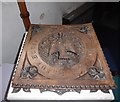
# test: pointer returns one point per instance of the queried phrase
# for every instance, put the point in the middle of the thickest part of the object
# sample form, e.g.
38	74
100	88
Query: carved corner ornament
62	58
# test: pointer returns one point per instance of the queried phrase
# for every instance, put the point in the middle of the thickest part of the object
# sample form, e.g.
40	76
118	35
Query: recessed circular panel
61	54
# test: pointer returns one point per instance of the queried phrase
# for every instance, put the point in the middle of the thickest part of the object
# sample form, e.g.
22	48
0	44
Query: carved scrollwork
103	90
60	91
29	72
93	90
96	73
17	89
35	29
26	90
84	29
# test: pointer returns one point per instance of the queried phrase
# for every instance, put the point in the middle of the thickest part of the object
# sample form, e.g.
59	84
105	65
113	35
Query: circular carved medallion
61	50
61	53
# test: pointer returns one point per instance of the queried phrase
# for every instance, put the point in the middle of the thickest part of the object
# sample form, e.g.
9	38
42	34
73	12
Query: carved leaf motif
15	90
60	91
84	29
30	72
93	90
26	89
105	91
24	72
96	73
35	28
33	72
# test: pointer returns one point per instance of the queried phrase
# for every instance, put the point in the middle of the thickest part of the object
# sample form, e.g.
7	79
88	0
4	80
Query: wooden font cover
61	58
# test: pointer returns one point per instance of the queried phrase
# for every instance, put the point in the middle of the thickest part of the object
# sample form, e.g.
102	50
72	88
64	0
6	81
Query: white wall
12	26
0	33
12	31
0	51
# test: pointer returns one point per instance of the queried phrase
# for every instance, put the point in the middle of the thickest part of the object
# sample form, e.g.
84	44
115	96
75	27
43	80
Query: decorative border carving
59	91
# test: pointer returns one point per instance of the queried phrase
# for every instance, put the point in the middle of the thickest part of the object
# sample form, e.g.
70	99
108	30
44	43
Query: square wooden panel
62	58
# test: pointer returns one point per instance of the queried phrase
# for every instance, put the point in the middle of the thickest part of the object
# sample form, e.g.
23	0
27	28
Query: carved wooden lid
62	57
